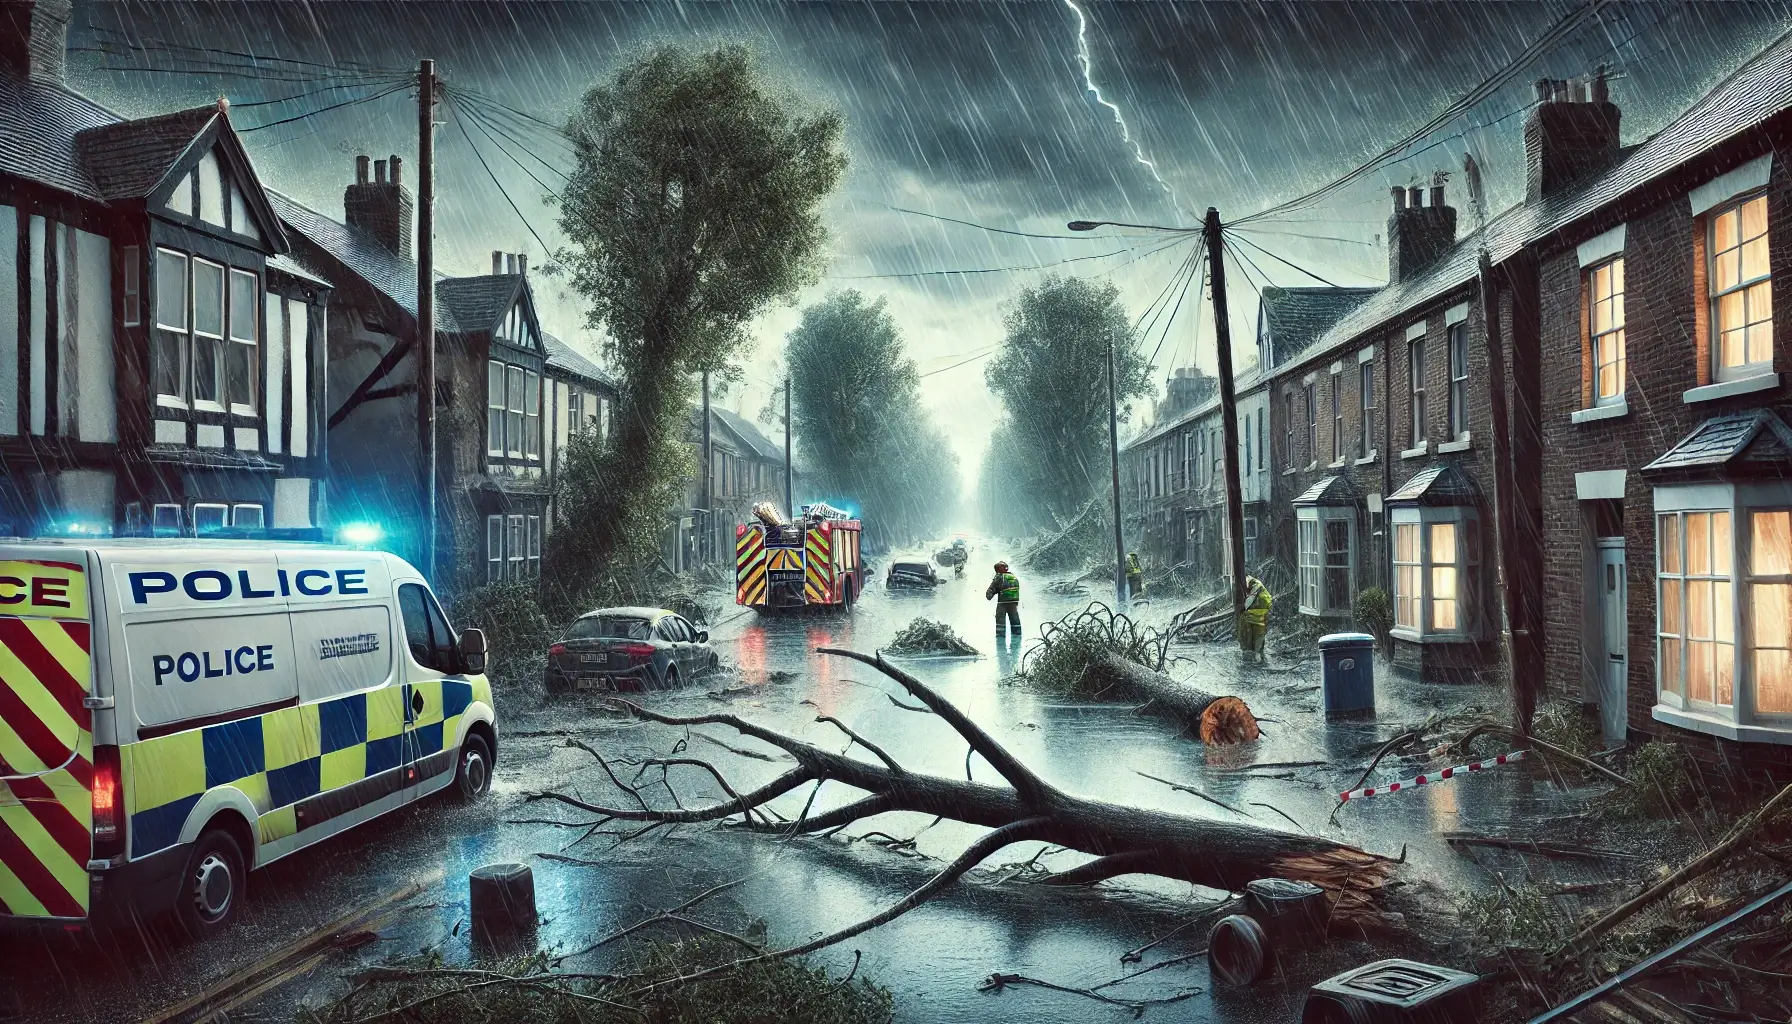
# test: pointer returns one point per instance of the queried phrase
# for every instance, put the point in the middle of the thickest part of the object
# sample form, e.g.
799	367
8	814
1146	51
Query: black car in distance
629	650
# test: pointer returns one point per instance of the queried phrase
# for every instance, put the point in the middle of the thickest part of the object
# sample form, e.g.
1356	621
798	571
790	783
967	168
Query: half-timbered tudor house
160	371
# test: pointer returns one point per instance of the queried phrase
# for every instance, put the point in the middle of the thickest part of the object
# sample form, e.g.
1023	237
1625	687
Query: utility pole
709	525
1114	459
1228	412
789	480
426	304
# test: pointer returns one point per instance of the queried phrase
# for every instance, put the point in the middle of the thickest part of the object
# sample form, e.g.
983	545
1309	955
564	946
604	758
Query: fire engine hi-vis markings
817	559
818	574
151	690
749	565
1430	777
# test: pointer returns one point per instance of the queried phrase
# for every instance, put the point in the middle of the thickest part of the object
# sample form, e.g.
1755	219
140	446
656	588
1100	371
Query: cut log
1218	720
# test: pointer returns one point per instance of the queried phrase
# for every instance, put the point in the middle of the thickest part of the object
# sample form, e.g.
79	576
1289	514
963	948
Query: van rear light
557	649
638	650
108	804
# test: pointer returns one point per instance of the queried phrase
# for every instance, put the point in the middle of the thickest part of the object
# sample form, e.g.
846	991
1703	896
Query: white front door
1613	653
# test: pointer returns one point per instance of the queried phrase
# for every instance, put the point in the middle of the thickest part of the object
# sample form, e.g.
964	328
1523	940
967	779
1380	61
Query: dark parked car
911	574
629	650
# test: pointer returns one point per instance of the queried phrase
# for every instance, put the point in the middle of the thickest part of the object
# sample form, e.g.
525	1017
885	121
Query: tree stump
501	901
1217	720
1292	913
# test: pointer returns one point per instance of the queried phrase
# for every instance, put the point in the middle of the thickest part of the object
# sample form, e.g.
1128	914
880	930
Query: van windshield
609	627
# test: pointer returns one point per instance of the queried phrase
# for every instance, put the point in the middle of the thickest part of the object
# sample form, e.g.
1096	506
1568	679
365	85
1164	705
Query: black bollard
1237	950
501	899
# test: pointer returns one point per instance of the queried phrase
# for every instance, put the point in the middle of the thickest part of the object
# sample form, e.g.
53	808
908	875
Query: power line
990	228
963	362
471	116
323	110
985	270
304	95
460	122
1550	37
158	46
1284	262
1254	229
1199	268
487	121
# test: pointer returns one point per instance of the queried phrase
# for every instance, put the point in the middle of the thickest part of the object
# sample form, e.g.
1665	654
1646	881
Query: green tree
694	202
1049	455
856	411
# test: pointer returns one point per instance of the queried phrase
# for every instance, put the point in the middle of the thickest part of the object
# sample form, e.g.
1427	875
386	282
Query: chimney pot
379	172
1399	197
1415	197
497	262
510	263
1437	195
361	163
393	165
1543	90
1573	136
522	263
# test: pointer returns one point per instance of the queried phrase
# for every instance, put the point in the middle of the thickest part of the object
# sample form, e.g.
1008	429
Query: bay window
1741	291
168	349
1437	555
204	350
494	408
242	362
1327	536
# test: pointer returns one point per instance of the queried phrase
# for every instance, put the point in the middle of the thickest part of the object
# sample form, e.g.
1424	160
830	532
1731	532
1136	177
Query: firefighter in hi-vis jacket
1255	624
1005	588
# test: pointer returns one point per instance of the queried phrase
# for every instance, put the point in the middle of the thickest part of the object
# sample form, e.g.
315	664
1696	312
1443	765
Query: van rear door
46	737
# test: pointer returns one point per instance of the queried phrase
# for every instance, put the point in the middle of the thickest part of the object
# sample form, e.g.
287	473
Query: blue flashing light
80	528
360	535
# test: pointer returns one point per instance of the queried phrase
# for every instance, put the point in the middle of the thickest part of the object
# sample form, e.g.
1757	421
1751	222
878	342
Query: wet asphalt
933	958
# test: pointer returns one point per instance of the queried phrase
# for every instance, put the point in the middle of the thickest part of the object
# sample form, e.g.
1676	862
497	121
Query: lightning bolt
1082	56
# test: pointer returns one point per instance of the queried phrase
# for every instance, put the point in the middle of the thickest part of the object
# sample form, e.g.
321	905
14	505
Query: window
494	548
1458	338
515	552
1741	291
209	518
241	364
1247	445
1188	458
1288	419
532	414
208	334
1250	540
1312	424
1415	363
1770	610
1436	571
166	521
248	516
514	445
1697	631
1327	553
426	632
130	266
1366	396
534	546
1215	455
1605	330
494	408
168	350
1337	418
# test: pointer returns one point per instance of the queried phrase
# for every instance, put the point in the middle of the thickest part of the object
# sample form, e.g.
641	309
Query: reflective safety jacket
1005	588
1132	566
1256	604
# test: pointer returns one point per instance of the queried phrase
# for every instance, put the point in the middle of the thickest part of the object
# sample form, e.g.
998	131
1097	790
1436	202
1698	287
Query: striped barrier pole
1430	777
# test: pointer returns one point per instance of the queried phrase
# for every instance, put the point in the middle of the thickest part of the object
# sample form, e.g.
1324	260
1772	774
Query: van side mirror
472	649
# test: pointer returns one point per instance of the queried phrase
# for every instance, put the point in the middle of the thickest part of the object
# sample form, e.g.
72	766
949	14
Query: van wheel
212	886
473	772
671	677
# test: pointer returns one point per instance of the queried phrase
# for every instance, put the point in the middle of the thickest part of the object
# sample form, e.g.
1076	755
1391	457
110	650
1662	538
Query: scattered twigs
1543	847
1700	865
907	707
1403	740
1160	965
664	915
1133	956
1195	792
1533	742
732	749
861	741
1285	816
997	982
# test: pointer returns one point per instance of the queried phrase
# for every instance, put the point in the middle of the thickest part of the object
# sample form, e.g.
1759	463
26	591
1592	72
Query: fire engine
813	561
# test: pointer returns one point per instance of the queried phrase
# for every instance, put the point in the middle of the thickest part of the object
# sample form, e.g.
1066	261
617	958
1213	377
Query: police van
173	714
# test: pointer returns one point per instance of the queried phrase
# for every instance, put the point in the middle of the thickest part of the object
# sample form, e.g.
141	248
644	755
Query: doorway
1612	656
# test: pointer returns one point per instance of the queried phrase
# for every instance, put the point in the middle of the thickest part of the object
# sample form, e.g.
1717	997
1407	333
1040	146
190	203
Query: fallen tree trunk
1217	854
1217	720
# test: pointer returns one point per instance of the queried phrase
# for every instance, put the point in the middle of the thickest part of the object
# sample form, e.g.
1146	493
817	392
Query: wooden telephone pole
1114	458
1228	411
789	480
426	304
704	552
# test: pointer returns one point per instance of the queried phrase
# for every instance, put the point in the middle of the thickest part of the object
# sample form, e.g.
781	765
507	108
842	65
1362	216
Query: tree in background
856	411
694	203
1049	455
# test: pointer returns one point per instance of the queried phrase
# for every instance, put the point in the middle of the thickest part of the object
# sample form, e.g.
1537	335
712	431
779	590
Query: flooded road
934	957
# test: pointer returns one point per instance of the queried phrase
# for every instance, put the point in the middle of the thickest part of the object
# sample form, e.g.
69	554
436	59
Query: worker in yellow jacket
1135	575
1255	624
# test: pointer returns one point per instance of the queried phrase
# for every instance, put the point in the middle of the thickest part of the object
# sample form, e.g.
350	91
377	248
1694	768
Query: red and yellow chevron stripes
749	565
818	575
46	740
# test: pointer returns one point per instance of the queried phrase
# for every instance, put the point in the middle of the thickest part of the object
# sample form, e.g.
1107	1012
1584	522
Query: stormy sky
972	111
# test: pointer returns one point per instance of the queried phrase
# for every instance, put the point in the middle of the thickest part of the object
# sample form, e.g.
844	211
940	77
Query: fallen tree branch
1533	742
1216	719
861	741
997	982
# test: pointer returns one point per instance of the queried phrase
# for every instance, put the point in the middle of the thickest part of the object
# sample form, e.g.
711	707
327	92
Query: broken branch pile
1217	854
1074	544
1061	658
925	636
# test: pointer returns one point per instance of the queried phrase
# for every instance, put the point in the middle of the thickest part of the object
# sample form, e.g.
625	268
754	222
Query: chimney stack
392	167
381	208
497	262
1572	134
1418	234
1399	198
522	263
34	38
510	263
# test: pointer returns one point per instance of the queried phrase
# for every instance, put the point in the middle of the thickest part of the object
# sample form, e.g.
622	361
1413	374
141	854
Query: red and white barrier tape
1430	777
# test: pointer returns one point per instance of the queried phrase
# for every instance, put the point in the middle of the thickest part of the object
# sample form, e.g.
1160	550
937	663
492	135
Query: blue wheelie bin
1347	672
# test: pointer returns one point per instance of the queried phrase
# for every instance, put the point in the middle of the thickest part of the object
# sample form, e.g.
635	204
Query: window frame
496	409
223	511
1338	417
1743	286
1315	565
1312	396
1456	339
1466	567
130	268
1366	403
219	341
533	556
1613	300
494	548
1288	415
532	418
515	549
515	415
1415	370
181	335
232	341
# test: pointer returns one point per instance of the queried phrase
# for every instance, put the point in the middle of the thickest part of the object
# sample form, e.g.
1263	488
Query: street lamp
1091	225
